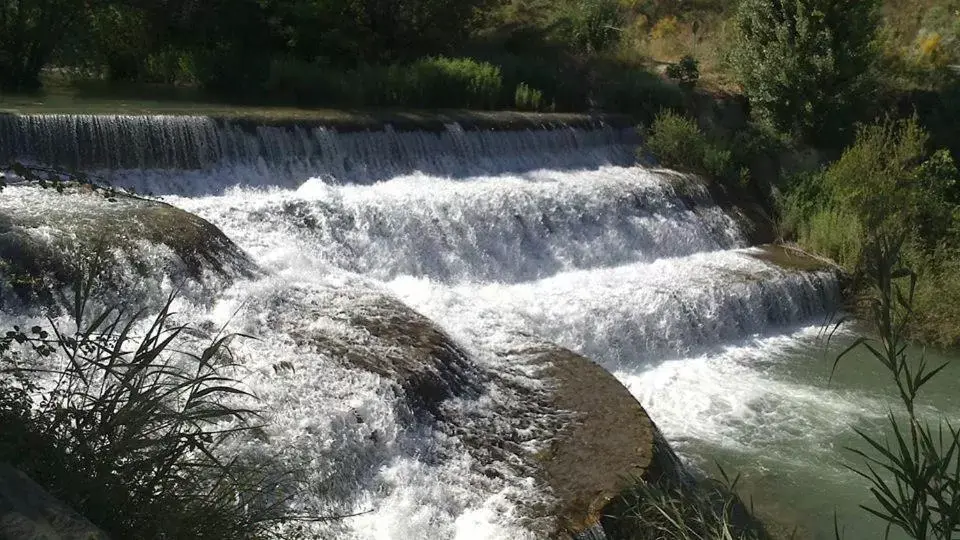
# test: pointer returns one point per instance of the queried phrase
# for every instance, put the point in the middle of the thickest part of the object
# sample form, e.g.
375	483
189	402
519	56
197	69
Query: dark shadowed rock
27	512
49	240
382	336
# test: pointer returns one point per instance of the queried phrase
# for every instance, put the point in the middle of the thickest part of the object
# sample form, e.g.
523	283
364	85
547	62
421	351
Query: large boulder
380	335
27	512
592	437
51	240
608	442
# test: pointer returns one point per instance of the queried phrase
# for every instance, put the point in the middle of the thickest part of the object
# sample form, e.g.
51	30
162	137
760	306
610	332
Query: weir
502	239
222	152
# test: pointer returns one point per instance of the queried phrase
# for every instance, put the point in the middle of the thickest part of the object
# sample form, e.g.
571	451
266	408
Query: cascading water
198	155
501	239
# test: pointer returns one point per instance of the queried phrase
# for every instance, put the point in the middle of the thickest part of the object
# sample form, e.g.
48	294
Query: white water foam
506	228
608	262
632	267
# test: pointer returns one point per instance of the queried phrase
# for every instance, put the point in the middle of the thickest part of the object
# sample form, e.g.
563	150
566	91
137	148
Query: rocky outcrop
380	335
608	443
592	437
49	240
27	512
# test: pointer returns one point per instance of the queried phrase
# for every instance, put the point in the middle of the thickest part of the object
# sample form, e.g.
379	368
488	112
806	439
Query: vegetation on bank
914	469
819	76
126	429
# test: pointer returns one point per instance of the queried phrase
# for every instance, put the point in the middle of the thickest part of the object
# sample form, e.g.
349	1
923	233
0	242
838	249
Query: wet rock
49	240
27	512
382	336
609	442
548	414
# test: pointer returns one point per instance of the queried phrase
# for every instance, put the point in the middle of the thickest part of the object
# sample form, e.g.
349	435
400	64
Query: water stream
498	237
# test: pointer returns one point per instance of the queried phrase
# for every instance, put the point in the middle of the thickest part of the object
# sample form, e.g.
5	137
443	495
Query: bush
528	99
450	82
678	143
128	429
889	178
806	64
888	181
686	72
589	26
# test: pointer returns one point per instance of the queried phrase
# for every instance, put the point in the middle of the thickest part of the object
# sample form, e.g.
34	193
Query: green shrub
888	177
528	99
686	72
588	26
888	181
806	64
677	142
450	82
127	433
937	302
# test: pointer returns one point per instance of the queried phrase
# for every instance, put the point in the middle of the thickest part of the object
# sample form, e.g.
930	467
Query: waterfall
503	239
196	154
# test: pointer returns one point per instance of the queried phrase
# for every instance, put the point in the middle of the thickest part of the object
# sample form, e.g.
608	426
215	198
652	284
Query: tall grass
914	471
125	428
671	510
528	98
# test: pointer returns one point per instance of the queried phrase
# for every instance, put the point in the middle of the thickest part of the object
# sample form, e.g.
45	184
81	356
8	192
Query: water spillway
165	154
503	239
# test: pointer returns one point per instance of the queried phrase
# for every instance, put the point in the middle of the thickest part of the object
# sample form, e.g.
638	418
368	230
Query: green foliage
528	99
128	430
636	91
589	26
30	31
436	82
682	511
914	472
888	180
686	72
806	64
677	142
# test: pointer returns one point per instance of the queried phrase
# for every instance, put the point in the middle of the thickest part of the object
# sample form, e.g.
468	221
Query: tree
30	31
589	26
806	64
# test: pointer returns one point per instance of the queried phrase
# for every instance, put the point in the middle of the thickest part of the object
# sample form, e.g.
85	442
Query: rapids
500	238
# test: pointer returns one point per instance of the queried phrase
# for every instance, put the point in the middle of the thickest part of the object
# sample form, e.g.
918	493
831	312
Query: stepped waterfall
502	239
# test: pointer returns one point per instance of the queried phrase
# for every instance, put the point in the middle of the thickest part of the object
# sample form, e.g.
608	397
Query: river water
494	237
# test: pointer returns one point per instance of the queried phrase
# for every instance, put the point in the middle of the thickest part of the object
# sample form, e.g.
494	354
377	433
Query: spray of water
502	240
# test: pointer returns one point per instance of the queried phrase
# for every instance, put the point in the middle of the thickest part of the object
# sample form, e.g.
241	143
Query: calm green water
767	409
